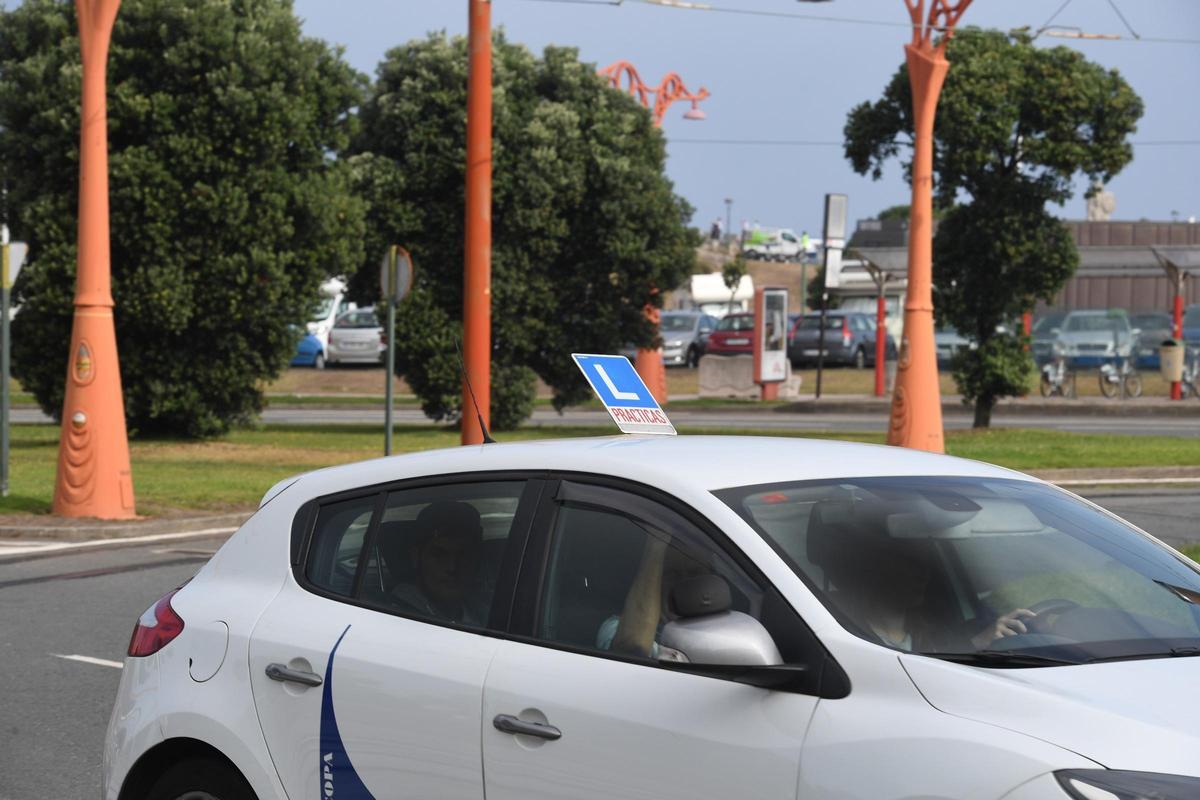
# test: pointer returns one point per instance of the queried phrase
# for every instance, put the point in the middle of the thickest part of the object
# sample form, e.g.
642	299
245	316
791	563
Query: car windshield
814	323
1095	322
736	322
1047	322
677	323
323	309
996	572
1150	322
358	319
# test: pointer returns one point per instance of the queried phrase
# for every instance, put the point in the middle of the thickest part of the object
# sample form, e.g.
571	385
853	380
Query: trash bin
1170	360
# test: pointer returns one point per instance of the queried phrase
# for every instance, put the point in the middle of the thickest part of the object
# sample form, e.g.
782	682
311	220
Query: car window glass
610	580
677	323
737	322
337	542
933	565
438	551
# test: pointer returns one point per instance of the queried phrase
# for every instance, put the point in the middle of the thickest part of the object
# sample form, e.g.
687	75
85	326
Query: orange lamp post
916	419
477	274
94	478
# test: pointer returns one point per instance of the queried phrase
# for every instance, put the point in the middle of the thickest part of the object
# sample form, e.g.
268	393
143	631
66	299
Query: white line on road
99	662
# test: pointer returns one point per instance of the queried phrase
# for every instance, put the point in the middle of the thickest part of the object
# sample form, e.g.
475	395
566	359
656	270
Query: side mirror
707	631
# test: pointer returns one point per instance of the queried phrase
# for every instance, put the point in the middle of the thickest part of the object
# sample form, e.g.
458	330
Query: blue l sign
624	394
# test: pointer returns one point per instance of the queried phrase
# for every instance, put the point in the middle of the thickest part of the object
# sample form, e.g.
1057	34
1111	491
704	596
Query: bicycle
1120	378
1058	379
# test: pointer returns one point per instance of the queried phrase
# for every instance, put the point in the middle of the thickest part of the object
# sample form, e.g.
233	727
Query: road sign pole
5	284
389	297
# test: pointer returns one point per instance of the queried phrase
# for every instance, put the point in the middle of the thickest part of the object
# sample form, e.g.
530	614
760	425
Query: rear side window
337	542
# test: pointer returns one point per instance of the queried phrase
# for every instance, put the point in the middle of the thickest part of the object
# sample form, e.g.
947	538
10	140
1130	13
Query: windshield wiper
1001	658
1174	652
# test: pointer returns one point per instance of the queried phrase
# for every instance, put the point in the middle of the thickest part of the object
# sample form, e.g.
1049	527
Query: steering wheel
1053	605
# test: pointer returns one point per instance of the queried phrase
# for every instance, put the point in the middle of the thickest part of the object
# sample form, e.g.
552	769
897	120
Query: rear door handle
278	672
510	724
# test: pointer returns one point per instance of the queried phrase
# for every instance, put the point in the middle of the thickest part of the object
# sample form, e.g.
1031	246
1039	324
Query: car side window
338	537
439	550
614	578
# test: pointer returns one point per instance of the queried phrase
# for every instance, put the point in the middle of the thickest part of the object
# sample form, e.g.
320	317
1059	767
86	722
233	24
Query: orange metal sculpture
916	419
94	478
477	273
667	92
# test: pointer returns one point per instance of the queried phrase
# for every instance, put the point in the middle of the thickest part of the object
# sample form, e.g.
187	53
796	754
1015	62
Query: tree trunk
983	411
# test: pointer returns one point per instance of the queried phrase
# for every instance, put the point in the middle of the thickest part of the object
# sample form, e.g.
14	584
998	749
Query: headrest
703	594
448	518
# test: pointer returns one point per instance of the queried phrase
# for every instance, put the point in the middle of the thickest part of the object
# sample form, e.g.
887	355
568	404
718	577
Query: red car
734	336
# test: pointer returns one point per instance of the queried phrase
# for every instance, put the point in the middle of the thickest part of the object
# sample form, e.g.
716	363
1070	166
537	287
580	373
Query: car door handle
278	672
510	724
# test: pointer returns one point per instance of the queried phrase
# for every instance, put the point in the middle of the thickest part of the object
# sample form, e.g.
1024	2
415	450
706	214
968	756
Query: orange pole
477	277
94	479
649	363
1177	334
916	419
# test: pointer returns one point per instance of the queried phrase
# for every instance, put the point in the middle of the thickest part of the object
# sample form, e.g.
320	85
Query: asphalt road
54	711
758	420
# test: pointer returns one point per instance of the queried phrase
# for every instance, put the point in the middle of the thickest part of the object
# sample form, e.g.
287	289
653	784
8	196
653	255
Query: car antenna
487	437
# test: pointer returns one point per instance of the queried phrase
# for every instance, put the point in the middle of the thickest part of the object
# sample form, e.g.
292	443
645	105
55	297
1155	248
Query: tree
731	274
585	224
1015	124
227	208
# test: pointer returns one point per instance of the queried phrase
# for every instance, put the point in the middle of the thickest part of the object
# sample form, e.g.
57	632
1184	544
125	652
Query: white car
601	618
356	338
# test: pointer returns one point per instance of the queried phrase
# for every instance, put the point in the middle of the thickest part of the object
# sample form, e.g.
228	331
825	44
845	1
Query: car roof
706	463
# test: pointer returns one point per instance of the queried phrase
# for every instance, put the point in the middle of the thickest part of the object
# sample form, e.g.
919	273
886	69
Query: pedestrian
714	232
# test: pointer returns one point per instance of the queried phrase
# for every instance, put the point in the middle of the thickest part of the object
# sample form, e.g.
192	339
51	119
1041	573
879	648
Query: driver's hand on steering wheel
1011	624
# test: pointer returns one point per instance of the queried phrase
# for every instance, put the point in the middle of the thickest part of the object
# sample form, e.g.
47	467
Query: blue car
309	353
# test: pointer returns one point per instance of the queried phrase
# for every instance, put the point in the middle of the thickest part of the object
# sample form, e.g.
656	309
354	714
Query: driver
884	585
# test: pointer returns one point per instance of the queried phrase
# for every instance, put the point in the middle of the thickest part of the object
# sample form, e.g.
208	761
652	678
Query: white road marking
99	662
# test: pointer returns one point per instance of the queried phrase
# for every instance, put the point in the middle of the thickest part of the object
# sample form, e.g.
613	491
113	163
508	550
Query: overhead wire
877	23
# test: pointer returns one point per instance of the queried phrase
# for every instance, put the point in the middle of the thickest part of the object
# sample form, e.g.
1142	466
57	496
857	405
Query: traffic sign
395	274
624	394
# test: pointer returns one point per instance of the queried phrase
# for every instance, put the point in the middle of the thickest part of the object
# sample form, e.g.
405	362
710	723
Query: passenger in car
444	551
647	604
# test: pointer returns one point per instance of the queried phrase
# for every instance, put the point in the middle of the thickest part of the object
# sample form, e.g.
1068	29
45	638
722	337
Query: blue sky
776	78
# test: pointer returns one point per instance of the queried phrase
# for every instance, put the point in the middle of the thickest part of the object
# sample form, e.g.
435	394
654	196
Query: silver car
684	335
356	338
1091	338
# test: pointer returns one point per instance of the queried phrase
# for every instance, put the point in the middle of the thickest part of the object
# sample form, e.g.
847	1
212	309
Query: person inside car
635	630
445	551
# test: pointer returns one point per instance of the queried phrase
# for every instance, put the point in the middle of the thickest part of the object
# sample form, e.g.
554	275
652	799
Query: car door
368	667
567	716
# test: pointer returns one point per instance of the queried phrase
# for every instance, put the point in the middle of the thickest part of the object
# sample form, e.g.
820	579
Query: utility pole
729	216
94	478
477	278
916	418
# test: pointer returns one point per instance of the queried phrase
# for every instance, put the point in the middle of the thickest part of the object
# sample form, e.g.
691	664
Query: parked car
1044	333
309	351
685	336
1092	338
690	617
734	336
356	338
948	341
1191	325
1155	328
849	339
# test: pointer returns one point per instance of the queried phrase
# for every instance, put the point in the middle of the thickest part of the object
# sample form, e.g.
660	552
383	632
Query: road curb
96	530
1024	409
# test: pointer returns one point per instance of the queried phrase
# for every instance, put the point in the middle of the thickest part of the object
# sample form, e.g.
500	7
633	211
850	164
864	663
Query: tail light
846	331
156	628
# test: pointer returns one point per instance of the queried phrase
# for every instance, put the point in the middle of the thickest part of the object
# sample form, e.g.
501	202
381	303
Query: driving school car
593	618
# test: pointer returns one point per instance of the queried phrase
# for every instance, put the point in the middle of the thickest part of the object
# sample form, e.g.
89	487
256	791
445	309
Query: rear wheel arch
155	762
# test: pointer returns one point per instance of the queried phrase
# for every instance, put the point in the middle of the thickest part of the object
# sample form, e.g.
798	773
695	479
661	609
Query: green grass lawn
233	471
